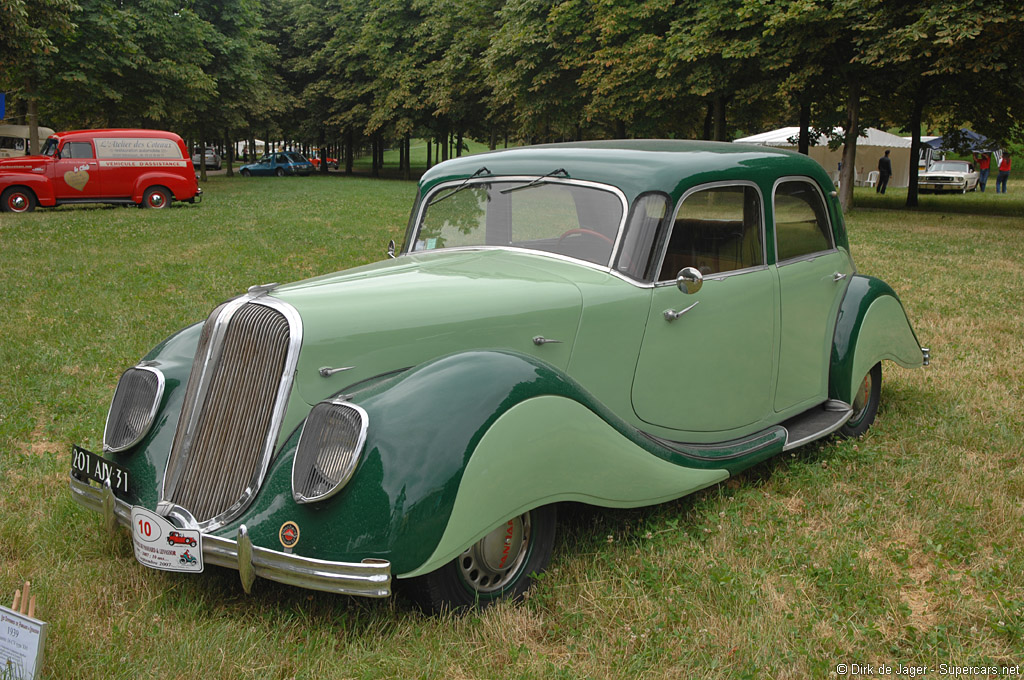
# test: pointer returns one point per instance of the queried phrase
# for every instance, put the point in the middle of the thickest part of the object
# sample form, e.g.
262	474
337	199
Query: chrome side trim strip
369	578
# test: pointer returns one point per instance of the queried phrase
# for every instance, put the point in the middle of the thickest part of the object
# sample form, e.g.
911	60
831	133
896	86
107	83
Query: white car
948	176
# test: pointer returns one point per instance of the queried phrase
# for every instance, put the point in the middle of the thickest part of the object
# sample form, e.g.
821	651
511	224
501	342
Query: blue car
279	163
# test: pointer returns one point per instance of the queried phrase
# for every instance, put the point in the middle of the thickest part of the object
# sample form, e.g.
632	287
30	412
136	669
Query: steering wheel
591	232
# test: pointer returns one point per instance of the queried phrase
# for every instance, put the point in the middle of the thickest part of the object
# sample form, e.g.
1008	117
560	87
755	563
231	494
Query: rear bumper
369	578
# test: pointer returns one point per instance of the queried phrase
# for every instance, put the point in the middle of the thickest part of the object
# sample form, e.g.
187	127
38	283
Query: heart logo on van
77	179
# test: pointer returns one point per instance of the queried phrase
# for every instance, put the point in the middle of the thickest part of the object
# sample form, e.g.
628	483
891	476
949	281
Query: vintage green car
611	323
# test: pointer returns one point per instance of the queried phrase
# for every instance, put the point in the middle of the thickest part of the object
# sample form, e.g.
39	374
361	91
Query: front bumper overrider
369	578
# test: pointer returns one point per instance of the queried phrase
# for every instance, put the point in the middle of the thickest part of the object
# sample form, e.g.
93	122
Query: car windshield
577	220
949	166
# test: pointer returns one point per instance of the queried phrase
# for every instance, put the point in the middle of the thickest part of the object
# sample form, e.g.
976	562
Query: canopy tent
870	147
961	140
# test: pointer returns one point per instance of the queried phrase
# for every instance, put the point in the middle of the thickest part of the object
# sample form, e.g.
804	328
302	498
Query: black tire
17	200
865	404
486	573
246	173
280	172
157	198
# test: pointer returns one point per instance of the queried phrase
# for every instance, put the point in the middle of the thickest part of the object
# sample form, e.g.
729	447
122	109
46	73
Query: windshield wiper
539	180
465	183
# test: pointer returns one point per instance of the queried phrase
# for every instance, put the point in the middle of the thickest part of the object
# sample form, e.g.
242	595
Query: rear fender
872	326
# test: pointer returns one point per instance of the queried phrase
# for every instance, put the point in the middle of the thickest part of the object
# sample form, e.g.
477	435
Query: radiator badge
289	535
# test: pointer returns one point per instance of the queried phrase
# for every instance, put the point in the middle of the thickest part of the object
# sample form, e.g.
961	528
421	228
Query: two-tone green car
611	323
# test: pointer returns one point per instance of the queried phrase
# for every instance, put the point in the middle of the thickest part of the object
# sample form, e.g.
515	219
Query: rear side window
716	230
76	150
801	223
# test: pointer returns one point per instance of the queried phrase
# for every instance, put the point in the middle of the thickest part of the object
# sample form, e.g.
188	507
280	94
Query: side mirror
689	280
391	249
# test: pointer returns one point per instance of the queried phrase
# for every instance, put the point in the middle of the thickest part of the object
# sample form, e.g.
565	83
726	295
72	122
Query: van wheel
156	197
17	200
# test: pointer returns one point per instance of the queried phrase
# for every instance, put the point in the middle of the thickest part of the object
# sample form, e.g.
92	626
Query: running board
816	423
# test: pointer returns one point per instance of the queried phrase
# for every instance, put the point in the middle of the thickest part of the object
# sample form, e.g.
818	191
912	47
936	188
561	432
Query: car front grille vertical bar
234	403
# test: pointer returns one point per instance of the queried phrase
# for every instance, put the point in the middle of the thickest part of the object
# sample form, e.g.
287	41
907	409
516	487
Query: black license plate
87	465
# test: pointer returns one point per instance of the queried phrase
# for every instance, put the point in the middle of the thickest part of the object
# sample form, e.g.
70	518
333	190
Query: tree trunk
847	174
804	144
709	117
202	160
407	146
33	119
430	152
916	113
458	145
229	155
349	151
720	105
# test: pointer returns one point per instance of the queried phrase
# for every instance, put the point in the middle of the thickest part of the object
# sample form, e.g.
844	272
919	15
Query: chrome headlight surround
329	448
133	407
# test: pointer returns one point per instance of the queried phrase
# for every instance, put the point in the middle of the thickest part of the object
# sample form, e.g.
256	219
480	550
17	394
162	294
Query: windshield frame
425	200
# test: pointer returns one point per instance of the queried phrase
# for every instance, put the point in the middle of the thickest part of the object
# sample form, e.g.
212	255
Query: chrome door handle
838	277
672	315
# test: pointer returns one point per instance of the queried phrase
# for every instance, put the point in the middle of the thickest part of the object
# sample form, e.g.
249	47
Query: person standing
983	162
884	173
1004	172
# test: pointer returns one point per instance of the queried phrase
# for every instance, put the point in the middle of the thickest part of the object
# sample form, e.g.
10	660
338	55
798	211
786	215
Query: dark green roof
637	166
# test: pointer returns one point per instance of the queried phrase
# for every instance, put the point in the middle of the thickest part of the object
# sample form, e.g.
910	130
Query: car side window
716	230
638	256
801	222
77	150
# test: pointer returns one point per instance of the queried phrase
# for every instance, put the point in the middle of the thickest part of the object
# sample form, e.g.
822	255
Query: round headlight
328	450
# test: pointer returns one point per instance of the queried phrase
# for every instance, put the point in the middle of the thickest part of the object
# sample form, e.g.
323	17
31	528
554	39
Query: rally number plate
160	545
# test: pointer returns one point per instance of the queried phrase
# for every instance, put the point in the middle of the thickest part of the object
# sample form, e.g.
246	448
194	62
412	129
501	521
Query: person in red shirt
1004	172
983	162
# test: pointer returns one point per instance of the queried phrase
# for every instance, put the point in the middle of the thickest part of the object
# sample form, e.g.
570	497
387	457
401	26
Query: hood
402	312
23	163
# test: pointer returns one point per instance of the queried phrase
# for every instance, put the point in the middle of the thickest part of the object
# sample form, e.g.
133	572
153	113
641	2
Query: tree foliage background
321	71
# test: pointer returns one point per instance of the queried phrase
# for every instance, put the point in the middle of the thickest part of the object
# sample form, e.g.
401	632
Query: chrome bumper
369	578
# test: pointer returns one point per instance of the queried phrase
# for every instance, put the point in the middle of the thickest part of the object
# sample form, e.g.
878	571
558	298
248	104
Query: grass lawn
904	547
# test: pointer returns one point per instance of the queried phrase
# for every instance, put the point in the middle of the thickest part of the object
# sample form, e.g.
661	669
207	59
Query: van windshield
50	147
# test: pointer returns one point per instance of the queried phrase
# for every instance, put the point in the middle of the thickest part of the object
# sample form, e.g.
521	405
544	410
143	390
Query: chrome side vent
133	408
232	411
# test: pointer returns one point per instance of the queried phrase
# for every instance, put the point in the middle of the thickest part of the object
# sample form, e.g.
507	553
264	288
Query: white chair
872	179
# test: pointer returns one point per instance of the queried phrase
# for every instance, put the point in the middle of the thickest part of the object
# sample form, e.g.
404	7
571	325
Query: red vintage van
148	168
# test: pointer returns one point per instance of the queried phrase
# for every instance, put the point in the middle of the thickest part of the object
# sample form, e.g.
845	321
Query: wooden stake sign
22	637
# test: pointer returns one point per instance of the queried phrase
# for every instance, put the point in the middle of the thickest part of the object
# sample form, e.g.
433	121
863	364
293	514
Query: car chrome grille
232	410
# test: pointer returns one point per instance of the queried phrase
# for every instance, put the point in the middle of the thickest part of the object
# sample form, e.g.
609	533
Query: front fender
40	185
872	326
458	445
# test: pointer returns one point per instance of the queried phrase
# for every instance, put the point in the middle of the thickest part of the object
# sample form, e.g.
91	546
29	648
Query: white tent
870	147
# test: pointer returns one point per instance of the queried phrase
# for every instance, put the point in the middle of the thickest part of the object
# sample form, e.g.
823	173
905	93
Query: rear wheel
18	200
157	198
280	172
497	567
865	404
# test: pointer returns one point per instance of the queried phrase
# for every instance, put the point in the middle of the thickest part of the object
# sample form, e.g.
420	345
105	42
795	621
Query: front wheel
18	200
246	173
280	172
497	567
157	198
865	404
